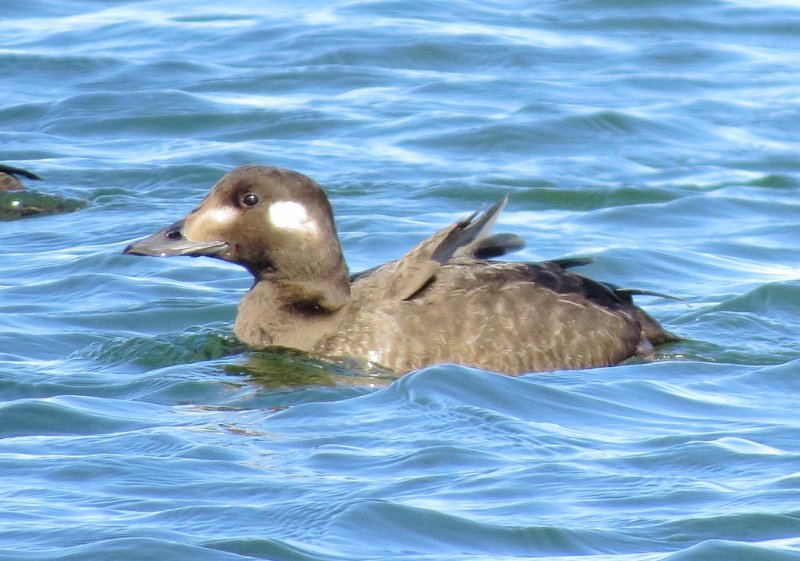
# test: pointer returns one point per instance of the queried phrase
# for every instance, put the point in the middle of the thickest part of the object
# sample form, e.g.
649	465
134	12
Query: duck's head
276	223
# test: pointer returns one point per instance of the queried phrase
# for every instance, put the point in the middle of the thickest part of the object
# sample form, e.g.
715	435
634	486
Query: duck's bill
170	242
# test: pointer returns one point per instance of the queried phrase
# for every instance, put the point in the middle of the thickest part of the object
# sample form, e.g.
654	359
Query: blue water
658	137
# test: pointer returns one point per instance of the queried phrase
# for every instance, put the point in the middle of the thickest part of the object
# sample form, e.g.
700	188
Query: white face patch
290	215
222	215
208	222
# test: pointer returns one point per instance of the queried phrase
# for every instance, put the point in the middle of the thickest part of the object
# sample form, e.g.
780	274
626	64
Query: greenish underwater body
658	138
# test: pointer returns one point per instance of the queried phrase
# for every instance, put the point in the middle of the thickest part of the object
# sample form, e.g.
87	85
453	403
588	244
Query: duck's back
505	317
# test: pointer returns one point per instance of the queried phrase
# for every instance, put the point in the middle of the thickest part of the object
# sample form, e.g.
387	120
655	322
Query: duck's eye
250	199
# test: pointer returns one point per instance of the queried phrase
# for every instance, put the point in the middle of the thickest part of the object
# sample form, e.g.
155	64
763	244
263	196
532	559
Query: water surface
659	138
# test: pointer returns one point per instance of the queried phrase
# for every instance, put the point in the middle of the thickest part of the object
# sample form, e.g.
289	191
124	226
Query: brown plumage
442	302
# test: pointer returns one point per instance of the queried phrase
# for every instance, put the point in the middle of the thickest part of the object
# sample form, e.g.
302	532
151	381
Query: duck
16	201
448	300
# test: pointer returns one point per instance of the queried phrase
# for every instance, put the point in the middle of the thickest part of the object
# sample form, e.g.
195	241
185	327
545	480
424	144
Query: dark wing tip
570	262
11	170
630	292
496	245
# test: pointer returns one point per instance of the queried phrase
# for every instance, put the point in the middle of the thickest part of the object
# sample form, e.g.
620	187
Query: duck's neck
299	313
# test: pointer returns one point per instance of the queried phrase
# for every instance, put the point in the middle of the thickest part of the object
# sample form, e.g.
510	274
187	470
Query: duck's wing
443	245
467	238
554	276
490	247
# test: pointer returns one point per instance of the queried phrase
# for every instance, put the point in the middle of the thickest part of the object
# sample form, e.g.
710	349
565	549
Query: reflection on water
288	368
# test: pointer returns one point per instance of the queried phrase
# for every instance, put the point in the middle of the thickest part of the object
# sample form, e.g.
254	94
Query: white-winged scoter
444	301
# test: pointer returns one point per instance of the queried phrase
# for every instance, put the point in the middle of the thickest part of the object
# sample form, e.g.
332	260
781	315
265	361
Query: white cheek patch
290	215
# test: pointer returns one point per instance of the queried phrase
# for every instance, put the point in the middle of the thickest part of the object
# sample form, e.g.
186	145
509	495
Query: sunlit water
659	138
